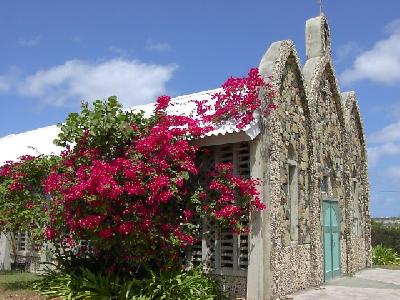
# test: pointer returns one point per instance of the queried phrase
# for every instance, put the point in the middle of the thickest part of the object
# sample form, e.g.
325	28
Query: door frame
336	202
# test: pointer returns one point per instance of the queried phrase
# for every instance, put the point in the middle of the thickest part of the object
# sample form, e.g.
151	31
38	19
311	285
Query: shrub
55	284
22	199
126	198
179	285
129	188
386	235
382	255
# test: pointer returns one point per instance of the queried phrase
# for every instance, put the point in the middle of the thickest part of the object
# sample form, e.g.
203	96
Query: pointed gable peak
318	39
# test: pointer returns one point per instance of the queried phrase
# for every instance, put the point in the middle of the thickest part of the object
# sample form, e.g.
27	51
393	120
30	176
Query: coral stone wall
293	270
359	253
294	134
330	137
311	131
235	287
359	258
291	255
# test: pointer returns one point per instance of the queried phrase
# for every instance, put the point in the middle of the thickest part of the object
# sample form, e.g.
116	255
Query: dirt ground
16	286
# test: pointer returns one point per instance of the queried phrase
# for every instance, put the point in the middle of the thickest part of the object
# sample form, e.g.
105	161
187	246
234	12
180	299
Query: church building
311	156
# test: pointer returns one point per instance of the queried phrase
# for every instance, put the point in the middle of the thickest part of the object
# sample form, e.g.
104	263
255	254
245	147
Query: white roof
35	142
40	141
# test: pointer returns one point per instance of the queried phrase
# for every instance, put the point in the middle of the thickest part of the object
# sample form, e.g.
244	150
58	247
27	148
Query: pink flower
126	227
106	233
26	157
6	170
185	239
179	182
162	103
49	233
270	108
15	186
187	215
69	241
167	228
91	221
227	211
136	189
258	204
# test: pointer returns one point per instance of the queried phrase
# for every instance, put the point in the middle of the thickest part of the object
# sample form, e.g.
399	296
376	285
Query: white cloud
157	46
393	26
391	111
386	142
4	84
348	49
380	64
390	133
118	51
29	42
7	80
379	151
134	82
393	172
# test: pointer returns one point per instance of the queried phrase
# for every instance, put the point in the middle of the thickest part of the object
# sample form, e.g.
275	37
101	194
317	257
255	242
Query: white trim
217	140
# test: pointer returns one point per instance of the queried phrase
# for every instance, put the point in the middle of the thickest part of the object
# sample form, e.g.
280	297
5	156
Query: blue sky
55	54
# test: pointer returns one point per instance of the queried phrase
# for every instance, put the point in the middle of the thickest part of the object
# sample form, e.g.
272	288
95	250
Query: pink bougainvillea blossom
143	196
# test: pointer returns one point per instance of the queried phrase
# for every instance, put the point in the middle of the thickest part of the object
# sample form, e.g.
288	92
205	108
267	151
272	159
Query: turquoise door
331	239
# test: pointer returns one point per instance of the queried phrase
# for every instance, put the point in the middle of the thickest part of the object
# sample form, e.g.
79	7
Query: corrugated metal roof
34	142
40	141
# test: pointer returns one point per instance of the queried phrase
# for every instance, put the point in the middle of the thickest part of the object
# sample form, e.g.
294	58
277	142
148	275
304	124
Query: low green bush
180	285
177	285
382	255
386	235
56	284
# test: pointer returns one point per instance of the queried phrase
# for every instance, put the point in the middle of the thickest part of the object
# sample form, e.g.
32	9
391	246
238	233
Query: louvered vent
233	248
210	250
203	251
221	250
195	252
243	160
227	249
243	170
21	239
226	244
244	249
207	163
225	154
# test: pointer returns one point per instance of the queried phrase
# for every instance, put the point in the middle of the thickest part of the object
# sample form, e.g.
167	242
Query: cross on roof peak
321	6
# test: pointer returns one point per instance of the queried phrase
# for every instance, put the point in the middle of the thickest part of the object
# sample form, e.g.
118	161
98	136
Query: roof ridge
136	107
177	98
26	132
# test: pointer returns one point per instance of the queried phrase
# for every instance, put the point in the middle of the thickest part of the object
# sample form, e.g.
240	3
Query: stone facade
359	217
316	138
234	286
291	245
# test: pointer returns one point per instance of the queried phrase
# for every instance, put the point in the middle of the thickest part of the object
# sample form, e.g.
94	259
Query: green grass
16	285
388	267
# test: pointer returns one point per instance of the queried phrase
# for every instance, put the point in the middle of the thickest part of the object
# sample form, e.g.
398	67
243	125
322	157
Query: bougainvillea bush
125	194
23	202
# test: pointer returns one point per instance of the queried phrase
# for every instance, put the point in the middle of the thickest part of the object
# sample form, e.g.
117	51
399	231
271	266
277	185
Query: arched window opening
326	180
356	206
293	194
